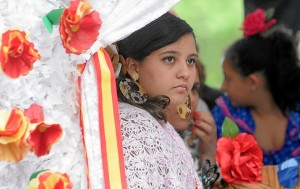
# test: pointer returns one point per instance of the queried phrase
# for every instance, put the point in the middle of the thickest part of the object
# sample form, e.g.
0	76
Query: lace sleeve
141	145
153	159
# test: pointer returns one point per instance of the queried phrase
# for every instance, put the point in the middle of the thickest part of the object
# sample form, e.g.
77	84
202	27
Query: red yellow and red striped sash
109	124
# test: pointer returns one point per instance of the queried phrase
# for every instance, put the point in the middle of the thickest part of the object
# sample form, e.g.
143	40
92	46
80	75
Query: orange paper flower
43	137
20	134
240	159
49	180
13	127
17	55
79	27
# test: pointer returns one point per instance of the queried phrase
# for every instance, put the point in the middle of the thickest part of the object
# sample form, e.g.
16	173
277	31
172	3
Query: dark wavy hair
161	32
274	55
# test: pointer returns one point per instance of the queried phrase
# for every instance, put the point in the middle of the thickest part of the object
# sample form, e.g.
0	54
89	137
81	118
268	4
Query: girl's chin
235	104
181	127
177	122
177	101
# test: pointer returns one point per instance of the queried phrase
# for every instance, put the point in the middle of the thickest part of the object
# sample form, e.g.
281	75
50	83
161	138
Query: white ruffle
52	83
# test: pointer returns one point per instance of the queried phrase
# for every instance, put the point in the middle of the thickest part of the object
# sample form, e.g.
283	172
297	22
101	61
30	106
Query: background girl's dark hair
274	55
161	32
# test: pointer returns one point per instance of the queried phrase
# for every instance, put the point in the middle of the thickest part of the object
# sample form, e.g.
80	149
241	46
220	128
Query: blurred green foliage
216	24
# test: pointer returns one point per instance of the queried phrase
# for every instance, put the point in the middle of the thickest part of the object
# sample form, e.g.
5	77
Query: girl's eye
169	59
191	61
226	78
196	87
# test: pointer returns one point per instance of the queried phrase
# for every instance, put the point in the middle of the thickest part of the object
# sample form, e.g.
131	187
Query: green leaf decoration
34	175
52	18
270	13
229	128
47	24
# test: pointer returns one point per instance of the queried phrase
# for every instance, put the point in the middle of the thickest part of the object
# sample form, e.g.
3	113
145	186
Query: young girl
262	82
158	73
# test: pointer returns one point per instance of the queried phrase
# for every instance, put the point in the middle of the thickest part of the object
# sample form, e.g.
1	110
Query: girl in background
262	83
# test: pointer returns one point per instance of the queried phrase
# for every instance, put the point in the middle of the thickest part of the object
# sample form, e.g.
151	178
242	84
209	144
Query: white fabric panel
52	83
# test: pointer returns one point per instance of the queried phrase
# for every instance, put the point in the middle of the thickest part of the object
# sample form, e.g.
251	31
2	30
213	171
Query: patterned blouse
243	118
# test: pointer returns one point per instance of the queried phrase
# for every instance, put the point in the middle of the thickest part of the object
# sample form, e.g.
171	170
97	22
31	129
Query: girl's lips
181	88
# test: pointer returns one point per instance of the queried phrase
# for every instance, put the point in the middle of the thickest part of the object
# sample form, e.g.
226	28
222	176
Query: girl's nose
183	71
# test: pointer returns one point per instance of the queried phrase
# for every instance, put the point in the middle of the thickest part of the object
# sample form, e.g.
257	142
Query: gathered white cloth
154	154
52	83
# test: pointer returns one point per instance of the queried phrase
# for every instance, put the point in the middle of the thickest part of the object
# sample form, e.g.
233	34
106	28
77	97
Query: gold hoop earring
132	91
184	110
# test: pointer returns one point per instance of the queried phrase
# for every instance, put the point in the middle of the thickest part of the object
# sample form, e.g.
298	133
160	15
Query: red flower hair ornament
256	22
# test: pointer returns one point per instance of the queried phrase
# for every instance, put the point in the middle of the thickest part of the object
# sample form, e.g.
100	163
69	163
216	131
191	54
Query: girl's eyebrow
168	52
194	54
175	52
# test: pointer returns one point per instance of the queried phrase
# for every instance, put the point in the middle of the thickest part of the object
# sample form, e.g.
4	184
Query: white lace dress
155	155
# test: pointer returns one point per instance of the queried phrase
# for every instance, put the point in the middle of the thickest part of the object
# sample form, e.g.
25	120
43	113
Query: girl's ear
255	81
133	67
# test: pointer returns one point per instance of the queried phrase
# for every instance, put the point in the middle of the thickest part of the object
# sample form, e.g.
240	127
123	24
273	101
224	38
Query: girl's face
170	70
235	85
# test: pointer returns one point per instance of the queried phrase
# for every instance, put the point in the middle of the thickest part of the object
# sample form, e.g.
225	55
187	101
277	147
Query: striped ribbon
109	124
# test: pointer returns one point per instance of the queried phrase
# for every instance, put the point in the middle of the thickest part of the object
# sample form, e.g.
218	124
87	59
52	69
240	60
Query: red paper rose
240	159
42	135
79	27
255	23
17	55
